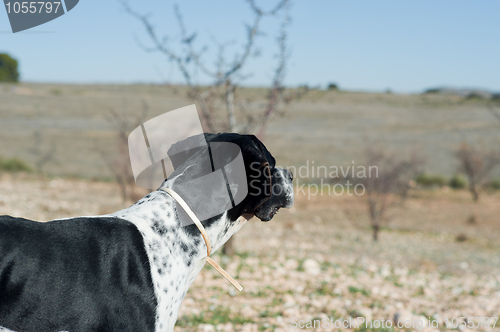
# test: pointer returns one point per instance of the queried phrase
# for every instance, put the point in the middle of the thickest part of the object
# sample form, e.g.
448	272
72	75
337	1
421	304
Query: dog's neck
161	207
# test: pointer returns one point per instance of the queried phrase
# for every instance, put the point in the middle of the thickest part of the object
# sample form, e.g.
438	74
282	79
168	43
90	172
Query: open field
317	259
328	127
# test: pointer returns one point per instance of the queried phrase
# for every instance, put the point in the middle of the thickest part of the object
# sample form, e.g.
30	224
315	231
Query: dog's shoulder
102	257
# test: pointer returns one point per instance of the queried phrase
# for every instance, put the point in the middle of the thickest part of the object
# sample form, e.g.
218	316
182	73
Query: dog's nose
290	175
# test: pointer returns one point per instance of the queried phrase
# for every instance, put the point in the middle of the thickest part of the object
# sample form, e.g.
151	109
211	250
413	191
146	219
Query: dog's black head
269	187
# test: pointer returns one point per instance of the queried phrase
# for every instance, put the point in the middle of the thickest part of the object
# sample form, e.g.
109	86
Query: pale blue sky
372	45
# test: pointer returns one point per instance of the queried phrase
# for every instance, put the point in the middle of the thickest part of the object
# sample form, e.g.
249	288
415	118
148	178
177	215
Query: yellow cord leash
203	232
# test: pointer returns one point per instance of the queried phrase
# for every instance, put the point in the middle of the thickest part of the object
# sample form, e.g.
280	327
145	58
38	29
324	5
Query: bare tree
119	164
477	164
227	73
391	178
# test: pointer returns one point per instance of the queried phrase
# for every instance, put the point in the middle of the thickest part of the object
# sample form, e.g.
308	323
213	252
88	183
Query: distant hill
467	93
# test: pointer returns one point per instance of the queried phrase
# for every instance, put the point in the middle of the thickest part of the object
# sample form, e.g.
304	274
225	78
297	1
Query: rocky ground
317	261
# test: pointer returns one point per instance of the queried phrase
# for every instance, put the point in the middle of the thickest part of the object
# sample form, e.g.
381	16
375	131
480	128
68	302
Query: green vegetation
267	313
300	267
324	289
14	165
333	87
354	290
495	184
219	315
8	68
428	180
191	320
458	182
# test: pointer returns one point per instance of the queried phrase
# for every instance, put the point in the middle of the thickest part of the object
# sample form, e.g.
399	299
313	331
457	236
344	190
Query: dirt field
317	260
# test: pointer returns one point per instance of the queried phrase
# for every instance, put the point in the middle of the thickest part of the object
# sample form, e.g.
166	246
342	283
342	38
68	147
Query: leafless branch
477	164
276	91
119	164
226	74
392	176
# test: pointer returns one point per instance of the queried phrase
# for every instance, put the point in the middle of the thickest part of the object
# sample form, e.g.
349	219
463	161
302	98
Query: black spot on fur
158	227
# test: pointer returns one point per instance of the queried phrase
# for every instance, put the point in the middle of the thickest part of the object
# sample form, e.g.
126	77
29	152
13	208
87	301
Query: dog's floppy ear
257	151
259	162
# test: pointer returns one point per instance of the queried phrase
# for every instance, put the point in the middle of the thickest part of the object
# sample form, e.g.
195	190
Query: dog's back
98	266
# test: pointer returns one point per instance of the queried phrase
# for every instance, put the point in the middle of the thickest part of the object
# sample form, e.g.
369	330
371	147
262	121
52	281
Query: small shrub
458	182
333	87
495	184
14	165
428	180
